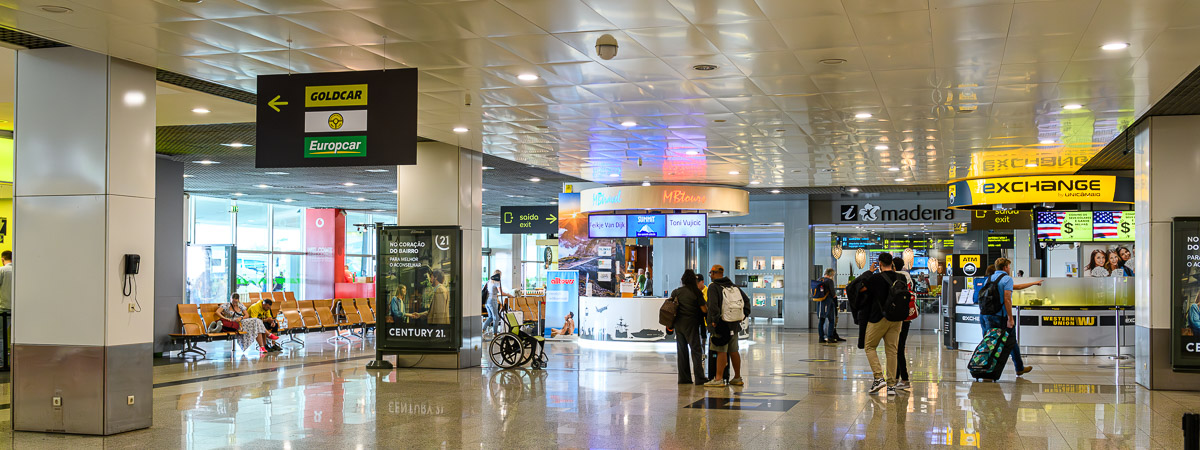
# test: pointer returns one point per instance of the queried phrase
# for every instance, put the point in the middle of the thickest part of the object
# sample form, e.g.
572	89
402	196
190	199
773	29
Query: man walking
878	289
6	281
827	310
1003	285
727	306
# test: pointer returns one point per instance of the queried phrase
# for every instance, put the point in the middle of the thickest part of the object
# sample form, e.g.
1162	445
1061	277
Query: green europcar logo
335	147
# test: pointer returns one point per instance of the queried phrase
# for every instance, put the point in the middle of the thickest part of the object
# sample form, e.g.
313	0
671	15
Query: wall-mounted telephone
131	264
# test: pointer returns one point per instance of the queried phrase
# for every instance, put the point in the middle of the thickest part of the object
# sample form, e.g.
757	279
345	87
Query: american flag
1049	224
1105	224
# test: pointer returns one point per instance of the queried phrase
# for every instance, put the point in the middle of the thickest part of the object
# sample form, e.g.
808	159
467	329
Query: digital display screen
1112	226
1075	226
606	226
646	225
687	225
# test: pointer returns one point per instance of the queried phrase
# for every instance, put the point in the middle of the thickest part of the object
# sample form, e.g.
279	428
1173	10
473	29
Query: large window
288	228
269	241
212	221
252	226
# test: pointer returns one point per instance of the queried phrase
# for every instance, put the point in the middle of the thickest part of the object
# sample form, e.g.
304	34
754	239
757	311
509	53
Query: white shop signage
896	211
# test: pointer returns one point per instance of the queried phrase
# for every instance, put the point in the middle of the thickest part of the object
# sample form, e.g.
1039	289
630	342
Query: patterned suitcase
991	354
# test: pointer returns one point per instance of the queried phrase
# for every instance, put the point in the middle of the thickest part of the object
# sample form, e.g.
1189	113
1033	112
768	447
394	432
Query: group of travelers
712	313
256	322
882	304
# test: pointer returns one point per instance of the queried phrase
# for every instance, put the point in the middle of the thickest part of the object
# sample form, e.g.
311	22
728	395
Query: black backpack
895	306
855	299
991	300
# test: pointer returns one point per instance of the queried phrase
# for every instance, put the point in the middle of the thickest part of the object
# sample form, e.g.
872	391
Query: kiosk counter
1063	316
621	319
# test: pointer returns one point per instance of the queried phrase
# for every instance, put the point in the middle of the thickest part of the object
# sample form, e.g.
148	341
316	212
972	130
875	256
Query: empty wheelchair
517	347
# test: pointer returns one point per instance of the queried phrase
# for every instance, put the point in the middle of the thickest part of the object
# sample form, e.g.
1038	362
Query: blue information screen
646	225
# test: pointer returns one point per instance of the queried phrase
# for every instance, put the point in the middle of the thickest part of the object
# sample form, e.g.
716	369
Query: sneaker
737	382
877	385
839	340
262	349
1024	371
903	385
715	383
273	337
891	391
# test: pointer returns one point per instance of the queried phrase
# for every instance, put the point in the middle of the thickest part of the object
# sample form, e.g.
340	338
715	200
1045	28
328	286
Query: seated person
233	317
262	311
567	329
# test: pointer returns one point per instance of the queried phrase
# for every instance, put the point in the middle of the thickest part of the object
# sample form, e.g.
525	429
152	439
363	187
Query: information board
1000	241
646	225
1001	220
1185	293
606	226
687	225
528	219
337	119
417	296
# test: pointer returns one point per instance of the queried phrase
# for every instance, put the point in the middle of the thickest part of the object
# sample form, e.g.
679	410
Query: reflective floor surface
798	394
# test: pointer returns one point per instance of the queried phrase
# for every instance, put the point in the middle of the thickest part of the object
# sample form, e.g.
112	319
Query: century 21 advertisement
418	300
1185	292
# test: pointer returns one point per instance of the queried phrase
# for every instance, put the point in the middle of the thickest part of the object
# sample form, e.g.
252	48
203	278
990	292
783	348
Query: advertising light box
1074	226
646	225
417	294
687	225
1112	226
606	226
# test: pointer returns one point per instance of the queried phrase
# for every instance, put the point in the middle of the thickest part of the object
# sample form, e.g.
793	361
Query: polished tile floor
798	394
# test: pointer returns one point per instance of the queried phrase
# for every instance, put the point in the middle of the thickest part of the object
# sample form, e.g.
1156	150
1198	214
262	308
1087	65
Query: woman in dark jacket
689	317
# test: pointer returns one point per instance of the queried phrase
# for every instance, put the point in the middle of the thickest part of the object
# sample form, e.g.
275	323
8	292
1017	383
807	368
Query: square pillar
84	194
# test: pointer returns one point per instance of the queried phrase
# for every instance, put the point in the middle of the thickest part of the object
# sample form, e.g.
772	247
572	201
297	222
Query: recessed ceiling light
628	123
734	172
201	110
397	192
376	210
377	170
881	147
460	129
262	186
774	191
349	184
275	173
614	175
191	1
535	179
832	61
55	9
315	193
853	190
1072	106
863	116
1047	141
691	153
188	176
1115	46
238	194
893	169
288	200
755	182
207	162
899	179
480	190
555	202
237	145
527	77
1031	165
488	168
704	67
645	183
361	199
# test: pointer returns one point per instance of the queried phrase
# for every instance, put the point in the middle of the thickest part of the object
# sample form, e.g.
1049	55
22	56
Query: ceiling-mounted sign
337	119
1001	220
736	202
984	192
893	211
1045	159
1000	241
528	219
968	265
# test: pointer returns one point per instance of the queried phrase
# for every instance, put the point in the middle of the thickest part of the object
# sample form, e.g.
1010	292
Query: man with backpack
727	307
857	301
888	298
823	292
995	307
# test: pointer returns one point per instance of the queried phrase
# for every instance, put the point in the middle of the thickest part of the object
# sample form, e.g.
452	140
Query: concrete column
84	197
1167	147
797	261
444	189
516	274
170	236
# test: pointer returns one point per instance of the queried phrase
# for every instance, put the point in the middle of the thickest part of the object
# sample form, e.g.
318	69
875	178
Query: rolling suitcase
991	354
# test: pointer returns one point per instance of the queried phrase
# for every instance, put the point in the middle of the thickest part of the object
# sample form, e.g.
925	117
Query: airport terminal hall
599	224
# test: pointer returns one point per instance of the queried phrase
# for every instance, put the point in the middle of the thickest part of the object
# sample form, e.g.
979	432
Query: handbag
666	312
226	323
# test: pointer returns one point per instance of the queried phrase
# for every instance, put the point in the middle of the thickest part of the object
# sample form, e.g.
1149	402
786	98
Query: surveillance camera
606	47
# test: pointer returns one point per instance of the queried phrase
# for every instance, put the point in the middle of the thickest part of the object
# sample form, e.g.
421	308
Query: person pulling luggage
995	311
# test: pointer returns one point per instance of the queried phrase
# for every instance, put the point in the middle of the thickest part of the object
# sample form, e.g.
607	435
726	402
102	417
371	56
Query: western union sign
1068	321
341	95
328	119
985	192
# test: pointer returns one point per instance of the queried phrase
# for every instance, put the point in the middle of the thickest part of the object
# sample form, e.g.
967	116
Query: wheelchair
517	347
